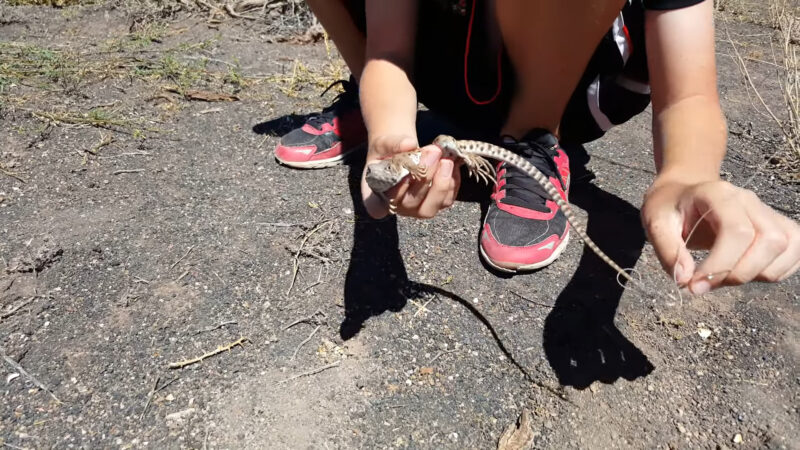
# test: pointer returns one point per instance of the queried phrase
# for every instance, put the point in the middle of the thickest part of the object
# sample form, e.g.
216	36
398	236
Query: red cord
466	65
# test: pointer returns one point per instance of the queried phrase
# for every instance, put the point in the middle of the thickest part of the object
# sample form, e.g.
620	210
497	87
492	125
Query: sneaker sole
514	267
321	163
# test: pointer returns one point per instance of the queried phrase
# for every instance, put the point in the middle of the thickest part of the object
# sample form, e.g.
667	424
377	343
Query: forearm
388	100
690	139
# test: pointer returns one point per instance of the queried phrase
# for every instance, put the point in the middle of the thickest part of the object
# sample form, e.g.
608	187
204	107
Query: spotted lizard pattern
383	175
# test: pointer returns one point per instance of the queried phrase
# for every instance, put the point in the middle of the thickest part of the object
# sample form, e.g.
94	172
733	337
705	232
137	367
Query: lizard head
448	145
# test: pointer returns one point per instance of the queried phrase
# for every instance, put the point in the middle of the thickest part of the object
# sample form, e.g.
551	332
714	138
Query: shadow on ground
580	339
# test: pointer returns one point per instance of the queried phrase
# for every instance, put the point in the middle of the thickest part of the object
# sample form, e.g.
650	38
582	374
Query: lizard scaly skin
383	175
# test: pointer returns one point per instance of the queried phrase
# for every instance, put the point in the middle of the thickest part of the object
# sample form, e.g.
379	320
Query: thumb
664	230
376	203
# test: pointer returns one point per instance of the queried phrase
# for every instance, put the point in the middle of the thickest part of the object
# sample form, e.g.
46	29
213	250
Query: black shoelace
347	98
522	190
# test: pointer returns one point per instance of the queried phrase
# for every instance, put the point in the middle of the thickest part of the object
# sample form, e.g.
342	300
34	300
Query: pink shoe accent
504	255
295	154
562	162
326	128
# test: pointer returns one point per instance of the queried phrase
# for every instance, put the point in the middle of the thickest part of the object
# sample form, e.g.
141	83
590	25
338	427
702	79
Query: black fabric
670	4
439	68
539	149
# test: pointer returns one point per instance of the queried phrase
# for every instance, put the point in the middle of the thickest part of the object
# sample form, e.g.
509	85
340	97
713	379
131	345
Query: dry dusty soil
141	226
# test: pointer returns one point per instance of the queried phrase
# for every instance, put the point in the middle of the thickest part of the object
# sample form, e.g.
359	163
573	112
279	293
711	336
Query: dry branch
217	351
310	372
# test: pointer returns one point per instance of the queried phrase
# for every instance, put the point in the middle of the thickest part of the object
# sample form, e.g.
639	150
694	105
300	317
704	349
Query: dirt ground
141	226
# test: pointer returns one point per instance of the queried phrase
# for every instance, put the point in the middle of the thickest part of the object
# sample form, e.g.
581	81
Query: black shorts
613	89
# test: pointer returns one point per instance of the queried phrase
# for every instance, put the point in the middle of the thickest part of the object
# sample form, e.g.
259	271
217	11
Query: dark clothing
613	88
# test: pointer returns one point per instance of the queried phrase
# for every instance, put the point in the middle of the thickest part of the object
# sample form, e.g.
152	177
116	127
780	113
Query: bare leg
337	21
550	43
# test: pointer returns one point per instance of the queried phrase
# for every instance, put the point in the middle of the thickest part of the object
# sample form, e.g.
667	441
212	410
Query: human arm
747	239
389	107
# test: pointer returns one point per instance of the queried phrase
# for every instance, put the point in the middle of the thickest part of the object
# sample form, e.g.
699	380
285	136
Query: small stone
179	419
681	429
170	398
704	333
738	439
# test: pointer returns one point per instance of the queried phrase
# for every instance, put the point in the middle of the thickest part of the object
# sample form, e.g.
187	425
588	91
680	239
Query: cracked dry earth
182	235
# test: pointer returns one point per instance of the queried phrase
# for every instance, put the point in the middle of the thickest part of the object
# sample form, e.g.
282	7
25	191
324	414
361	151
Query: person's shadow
580	340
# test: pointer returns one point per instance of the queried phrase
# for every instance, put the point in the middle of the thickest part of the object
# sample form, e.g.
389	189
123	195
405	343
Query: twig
153	392
305	341
787	133
149	398
229	10
278	224
12	174
310	372
126	154
296	265
30	377
14	310
182	275
217	351
544	305
182	258
105	140
440	354
6	444
217	327
307	319
121	171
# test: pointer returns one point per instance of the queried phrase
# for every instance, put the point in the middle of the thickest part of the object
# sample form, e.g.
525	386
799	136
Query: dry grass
786	18
54	3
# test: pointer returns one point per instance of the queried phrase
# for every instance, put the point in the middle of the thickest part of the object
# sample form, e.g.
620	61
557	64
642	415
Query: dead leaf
426	371
207	96
518	436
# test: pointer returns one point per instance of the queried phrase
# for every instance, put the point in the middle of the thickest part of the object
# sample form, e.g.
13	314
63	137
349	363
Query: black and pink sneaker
329	137
524	229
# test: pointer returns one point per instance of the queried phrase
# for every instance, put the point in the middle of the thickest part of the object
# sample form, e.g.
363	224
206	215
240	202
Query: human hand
423	197
748	239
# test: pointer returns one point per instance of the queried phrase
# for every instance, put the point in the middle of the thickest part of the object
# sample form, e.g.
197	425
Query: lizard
383	175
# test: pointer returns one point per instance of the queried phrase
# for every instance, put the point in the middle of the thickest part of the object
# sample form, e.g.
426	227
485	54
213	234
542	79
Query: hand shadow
376	279
580	339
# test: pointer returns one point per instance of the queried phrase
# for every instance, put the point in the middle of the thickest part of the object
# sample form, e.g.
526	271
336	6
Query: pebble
738	439
178	419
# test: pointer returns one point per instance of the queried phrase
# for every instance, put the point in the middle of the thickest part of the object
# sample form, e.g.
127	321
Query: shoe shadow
580	340
281	125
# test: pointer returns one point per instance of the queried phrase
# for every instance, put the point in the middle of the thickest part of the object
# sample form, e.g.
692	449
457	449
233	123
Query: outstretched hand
747	239
422	198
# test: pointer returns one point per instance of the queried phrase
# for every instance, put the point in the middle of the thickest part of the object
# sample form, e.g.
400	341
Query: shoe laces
520	189
348	98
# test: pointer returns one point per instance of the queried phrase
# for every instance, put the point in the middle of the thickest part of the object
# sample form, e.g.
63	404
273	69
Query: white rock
704	333
178	419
